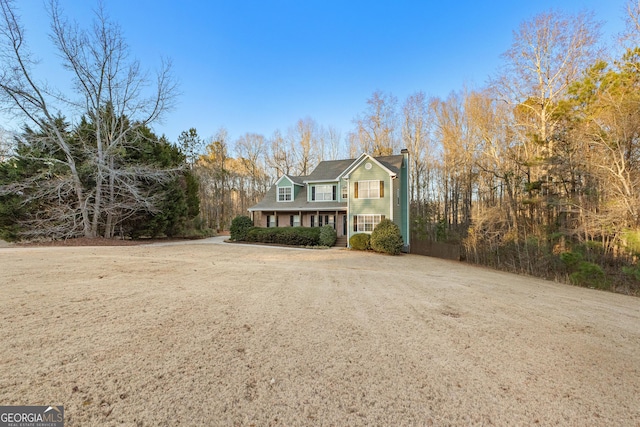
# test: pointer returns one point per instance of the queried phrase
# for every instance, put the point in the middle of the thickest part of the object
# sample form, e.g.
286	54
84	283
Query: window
366	223
294	220
330	220
345	191
272	221
323	192
284	194
369	189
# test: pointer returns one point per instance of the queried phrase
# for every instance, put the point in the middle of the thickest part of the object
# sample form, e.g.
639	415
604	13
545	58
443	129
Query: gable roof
326	171
296	180
391	164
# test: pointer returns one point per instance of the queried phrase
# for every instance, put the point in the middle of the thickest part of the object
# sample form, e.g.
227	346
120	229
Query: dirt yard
221	334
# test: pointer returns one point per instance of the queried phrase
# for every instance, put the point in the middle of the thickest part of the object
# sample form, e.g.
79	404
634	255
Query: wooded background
538	172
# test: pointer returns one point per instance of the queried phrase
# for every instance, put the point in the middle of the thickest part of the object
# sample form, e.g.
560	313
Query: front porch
319	218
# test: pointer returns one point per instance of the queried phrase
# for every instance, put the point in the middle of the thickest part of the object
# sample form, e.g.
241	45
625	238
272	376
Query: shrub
239	227
571	259
589	274
633	272
632	241
386	238
359	242
294	236
328	236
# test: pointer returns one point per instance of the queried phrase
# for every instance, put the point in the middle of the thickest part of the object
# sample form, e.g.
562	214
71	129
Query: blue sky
258	66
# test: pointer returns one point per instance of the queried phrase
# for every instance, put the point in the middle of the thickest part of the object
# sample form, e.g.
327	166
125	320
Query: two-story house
351	195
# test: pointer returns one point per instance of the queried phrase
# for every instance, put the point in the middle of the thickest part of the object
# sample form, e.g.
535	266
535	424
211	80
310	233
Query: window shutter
276	220
381	217
313	220
267	221
355	223
355	190
291	220
381	189
334	193
313	193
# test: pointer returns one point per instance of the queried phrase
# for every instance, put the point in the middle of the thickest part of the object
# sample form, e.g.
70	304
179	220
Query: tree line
537	172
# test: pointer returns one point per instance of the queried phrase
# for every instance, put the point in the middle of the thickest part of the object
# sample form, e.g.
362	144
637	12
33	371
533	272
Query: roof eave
356	163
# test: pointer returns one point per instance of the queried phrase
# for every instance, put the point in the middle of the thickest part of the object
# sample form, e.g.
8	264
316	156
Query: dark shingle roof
300	203
393	163
328	170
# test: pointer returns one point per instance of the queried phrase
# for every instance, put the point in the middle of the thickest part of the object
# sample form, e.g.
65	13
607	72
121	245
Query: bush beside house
386	238
359	242
328	236
294	236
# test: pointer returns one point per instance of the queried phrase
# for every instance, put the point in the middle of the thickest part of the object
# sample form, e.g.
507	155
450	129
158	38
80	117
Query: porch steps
341	242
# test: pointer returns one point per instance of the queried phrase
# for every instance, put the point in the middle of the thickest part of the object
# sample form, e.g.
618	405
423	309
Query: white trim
373	222
377	181
344	189
291	192
391	198
405	162
301	209
315	186
322	180
357	163
290	180
347	213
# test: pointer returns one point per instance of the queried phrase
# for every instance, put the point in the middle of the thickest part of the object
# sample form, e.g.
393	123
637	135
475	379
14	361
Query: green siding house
351	195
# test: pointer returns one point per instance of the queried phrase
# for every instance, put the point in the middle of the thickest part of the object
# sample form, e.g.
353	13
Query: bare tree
280	158
610	116
332	138
303	141
416	119
214	174
376	127
109	91
251	149
633	19
548	53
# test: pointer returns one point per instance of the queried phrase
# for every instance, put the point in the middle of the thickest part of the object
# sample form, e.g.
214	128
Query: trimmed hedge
359	242
240	225
294	236
387	238
328	236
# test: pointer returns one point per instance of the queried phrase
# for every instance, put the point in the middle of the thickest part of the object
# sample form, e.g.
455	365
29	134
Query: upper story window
284	194
345	191
323	192
369	189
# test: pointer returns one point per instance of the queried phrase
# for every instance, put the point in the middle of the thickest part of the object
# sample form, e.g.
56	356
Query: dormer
287	188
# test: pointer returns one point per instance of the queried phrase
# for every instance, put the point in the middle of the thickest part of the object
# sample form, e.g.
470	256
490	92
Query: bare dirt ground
198	334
